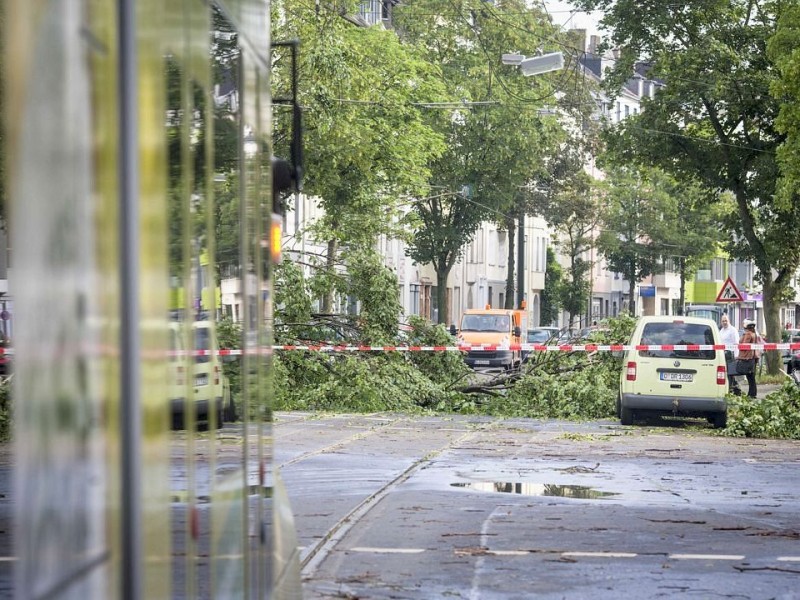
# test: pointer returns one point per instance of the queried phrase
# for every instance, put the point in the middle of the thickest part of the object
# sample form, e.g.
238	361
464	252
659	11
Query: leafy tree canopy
496	136
714	120
366	141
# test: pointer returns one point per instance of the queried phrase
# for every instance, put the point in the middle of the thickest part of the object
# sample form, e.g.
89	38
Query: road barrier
525	347
480	347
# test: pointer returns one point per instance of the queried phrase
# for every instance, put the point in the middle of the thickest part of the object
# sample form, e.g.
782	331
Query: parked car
542	335
539	335
787	355
673	382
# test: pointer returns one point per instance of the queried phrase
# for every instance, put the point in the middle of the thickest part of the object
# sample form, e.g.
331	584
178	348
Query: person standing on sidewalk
729	336
749	337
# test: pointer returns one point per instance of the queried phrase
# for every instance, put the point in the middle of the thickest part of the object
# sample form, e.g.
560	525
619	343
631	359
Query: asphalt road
392	506
418	507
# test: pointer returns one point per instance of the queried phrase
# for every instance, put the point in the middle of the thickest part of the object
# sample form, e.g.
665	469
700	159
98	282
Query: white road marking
475	591
707	556
789	558
387	550
8	558
508	552
600	554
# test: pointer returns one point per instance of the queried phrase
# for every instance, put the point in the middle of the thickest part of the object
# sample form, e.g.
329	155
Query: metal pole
130	413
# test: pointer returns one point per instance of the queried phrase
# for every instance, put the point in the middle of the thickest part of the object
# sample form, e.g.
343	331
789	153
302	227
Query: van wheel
719	420
625	415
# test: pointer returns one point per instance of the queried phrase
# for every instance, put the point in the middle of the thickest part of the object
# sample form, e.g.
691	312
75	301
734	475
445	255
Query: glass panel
229	518
204	206
62	482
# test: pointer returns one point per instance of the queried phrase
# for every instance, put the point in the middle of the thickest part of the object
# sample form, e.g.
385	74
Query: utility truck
499	327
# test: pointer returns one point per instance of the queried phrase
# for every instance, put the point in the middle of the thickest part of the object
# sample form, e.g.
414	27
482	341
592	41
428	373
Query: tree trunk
772	321
682	299
631	296
509	303
772	287
330	266
443	315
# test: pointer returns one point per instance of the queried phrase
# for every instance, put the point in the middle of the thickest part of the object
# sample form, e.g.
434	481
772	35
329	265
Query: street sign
729	292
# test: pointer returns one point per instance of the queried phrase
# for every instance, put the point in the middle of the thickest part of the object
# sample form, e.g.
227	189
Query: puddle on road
536	489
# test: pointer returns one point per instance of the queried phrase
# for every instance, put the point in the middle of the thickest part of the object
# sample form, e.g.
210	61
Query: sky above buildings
564	14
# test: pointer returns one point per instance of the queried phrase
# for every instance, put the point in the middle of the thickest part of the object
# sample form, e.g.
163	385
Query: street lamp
535	65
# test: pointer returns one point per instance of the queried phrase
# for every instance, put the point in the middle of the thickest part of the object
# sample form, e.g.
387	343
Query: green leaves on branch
775	416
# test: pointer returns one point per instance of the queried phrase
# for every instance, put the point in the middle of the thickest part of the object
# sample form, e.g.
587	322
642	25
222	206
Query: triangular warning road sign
729	292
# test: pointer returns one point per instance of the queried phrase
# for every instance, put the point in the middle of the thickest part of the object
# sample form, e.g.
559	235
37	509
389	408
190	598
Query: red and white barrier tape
514	347
483	347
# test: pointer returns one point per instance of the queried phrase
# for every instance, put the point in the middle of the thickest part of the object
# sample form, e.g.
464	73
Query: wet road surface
399	506
390	506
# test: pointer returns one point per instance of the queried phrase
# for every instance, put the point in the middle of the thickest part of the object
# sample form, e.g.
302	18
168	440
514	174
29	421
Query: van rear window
677	334
202	341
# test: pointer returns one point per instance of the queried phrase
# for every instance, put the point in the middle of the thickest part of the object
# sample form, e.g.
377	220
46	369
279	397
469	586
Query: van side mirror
453	330
517	331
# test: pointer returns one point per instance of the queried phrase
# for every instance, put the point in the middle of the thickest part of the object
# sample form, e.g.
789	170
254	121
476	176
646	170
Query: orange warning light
276	235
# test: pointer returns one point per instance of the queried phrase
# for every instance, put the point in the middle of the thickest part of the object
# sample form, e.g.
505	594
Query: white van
674	382
211	394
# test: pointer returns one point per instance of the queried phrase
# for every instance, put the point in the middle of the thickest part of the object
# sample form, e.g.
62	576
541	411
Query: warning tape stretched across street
525	347
484	347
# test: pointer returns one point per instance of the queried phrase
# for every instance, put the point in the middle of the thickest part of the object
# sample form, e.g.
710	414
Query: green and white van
671	381
210	389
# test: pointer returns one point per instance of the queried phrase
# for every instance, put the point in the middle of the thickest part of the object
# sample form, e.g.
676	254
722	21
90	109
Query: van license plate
481	362
676	377
201	379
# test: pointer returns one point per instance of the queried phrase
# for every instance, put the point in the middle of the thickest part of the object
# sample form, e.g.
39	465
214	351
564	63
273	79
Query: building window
414	304
704	274
717	269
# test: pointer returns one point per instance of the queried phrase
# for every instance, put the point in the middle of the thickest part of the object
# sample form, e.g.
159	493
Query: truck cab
706	311
499	327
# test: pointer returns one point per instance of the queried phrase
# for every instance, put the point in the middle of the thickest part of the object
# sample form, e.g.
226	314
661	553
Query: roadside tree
367	145
715	119
551	294
631	225
496	138
569	204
